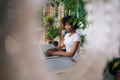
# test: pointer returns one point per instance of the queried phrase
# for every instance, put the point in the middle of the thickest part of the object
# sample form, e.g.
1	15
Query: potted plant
51	31
51	34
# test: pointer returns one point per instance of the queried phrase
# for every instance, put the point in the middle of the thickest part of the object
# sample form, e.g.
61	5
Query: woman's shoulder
77	34
77	37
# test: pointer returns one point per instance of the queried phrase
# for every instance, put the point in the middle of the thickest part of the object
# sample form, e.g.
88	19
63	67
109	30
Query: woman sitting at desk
71	41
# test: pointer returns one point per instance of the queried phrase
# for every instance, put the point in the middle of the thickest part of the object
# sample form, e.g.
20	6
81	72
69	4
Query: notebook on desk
46	47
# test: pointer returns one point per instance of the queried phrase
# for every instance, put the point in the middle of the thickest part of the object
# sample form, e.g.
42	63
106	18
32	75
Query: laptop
44	49
57	64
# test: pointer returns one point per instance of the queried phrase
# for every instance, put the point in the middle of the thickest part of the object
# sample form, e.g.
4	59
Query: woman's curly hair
73	21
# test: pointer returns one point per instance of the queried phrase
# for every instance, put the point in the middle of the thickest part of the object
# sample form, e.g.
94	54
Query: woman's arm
55	49
68	54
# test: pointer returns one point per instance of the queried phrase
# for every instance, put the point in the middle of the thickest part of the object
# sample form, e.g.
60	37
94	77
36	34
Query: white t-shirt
68	41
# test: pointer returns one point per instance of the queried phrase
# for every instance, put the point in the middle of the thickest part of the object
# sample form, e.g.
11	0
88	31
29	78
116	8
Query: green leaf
116	64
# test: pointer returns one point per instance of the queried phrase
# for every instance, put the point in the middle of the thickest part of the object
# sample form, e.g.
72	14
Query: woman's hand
49	53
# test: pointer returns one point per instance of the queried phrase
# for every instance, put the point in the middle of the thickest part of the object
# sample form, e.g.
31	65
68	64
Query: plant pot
55	43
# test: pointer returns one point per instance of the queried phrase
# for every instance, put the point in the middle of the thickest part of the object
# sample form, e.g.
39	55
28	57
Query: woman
71	41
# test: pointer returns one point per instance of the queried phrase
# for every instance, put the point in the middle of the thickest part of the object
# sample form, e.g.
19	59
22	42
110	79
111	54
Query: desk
57	64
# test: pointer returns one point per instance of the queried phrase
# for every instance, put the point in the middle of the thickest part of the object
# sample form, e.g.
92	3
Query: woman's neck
71	33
